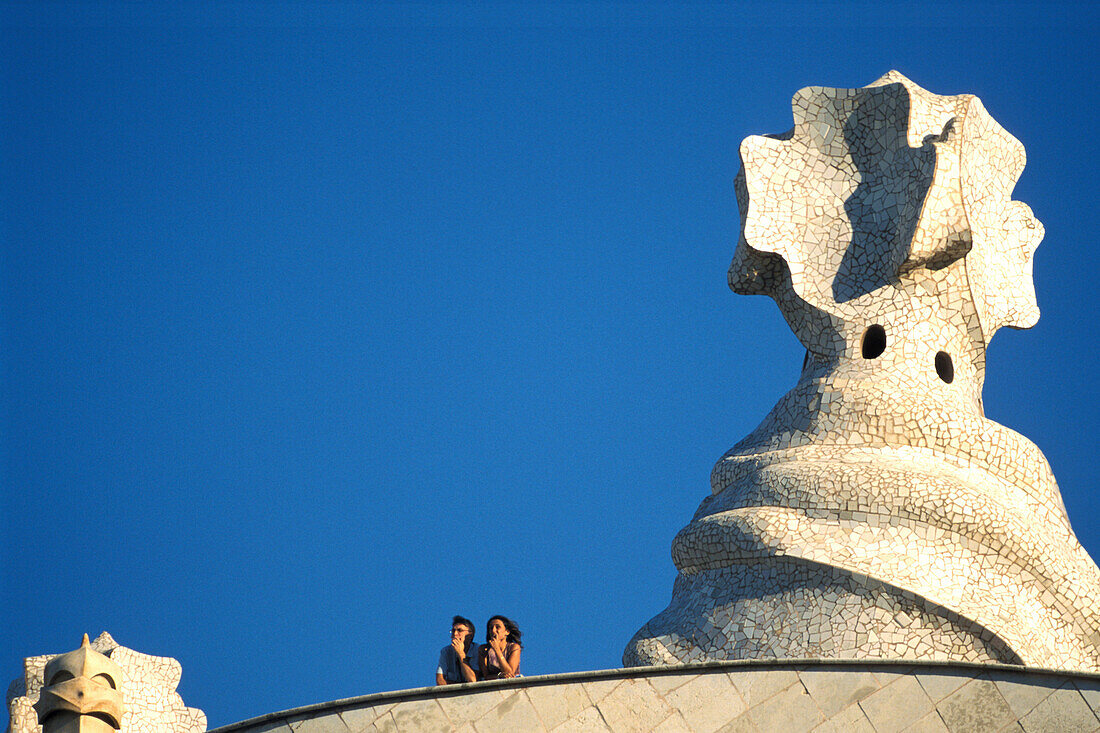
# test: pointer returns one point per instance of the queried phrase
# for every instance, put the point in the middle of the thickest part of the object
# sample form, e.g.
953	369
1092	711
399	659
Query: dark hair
514	633
469	625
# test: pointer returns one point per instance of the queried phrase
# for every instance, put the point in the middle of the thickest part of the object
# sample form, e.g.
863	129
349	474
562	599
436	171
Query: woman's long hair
514	633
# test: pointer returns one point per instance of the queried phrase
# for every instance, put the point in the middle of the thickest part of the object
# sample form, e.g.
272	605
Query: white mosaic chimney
876	512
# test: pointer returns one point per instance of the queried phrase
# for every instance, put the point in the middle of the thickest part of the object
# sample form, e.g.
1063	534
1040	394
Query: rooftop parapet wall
823	695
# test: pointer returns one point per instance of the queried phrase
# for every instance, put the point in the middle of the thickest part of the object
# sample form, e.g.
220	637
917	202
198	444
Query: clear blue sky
324	322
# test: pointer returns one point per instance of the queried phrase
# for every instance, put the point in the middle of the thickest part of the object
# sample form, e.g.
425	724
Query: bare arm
507	655
466	670
512	662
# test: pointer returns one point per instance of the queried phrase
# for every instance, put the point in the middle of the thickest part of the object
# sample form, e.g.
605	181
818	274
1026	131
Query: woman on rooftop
499	658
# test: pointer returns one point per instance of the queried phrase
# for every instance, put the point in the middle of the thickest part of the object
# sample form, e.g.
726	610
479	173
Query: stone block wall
847	697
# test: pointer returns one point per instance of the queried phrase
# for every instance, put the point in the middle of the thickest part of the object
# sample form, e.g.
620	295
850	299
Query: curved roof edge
435	692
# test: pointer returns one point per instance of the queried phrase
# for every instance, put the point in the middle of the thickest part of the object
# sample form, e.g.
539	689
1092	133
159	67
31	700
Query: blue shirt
448	663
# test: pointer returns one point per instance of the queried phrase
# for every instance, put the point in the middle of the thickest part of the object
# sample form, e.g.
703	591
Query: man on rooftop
456	664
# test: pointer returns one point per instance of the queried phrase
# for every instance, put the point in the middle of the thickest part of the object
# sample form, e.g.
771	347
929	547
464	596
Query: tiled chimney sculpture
101	687
876	512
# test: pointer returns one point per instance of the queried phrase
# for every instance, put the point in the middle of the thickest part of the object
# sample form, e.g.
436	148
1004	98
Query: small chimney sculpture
81	693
